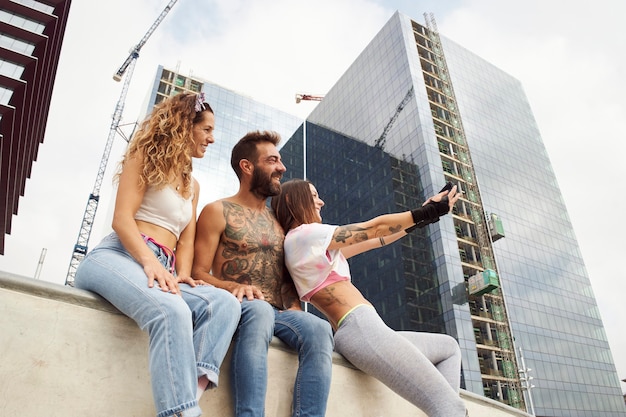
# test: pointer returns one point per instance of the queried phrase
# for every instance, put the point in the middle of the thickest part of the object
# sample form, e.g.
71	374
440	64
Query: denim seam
296	406
178	409
203	367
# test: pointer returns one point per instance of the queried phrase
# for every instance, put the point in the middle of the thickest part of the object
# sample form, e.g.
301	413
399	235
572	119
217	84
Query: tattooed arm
360	237
374	243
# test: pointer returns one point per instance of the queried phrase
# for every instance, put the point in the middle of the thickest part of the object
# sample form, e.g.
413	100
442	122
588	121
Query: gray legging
423	368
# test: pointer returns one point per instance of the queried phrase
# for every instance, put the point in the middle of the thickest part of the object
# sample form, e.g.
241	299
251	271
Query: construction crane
310	97
80	248
380	142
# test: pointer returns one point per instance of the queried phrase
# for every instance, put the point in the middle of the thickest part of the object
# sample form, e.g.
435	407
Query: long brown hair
294	205
165	141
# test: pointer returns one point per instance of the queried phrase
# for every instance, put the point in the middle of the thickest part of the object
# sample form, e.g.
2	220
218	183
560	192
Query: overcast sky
568	54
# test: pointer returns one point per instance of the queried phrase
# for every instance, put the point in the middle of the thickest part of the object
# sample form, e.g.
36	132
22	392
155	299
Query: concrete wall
66	352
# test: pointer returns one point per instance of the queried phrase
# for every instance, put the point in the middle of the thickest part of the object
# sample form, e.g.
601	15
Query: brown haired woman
424	368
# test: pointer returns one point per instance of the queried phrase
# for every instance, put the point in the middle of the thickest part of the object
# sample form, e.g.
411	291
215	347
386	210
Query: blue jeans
306	333
189	334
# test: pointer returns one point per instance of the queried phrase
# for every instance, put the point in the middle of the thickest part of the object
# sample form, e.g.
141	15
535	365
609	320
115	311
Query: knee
451	345
257	317
258	310
451	341
226	304
172	312
318	335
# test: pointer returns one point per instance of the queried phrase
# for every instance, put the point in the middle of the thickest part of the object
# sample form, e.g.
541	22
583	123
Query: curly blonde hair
164	141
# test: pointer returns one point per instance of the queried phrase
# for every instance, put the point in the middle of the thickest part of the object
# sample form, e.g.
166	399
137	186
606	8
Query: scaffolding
491	325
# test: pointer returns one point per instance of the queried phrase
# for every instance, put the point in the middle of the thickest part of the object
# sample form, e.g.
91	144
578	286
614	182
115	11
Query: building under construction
503	274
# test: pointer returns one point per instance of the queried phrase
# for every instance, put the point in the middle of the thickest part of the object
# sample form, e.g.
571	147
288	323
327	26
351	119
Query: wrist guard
430	213
410	229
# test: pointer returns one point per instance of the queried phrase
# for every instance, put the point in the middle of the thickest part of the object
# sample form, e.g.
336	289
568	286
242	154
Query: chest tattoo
252	248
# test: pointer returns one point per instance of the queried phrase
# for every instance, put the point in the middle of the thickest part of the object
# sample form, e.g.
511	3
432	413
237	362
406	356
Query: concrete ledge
67	352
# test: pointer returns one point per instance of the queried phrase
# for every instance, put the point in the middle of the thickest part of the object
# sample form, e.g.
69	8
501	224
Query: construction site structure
309	97
380	142
127	68
173	83
492	330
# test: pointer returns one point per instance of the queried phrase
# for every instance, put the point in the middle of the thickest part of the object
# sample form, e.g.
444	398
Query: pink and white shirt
311	265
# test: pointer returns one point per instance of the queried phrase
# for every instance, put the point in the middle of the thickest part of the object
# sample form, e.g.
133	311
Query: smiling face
268	171
317	201
203	134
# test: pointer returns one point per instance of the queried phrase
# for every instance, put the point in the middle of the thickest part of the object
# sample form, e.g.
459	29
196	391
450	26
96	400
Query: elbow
194	271
116	223
120	223
199	272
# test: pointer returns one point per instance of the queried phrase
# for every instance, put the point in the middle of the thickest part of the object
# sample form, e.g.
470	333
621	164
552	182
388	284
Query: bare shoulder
214	207
211	215
195	191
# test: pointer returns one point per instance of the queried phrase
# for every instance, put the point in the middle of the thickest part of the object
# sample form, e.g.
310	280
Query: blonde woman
424	368
144	267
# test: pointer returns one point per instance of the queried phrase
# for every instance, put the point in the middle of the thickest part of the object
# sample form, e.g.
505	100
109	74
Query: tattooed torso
251	250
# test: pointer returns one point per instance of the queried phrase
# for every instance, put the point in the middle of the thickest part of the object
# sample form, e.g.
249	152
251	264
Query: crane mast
80	248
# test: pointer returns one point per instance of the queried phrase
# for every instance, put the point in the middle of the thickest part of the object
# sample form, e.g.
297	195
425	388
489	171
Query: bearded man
239	247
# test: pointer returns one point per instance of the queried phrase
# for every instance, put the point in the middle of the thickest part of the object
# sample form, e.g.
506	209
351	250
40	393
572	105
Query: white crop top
166	208
311	265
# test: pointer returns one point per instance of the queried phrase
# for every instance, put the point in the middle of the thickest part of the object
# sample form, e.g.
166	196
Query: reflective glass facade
386	136
553	311
235	115
408	298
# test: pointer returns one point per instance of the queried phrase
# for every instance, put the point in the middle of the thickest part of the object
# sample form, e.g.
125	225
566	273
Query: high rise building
503	274
235	115
31	34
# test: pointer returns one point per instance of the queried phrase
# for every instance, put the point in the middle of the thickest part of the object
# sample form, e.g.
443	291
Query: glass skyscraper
503	274
235	115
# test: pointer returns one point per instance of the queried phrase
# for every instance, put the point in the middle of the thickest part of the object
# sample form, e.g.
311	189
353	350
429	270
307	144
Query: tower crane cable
80	248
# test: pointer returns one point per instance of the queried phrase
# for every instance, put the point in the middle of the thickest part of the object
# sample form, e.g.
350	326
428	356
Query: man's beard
263	186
